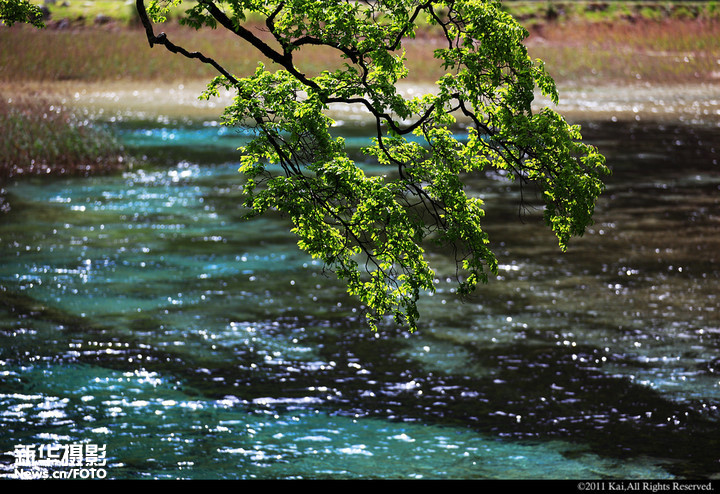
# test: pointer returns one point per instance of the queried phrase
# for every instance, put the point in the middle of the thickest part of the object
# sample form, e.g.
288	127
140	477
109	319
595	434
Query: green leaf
374	232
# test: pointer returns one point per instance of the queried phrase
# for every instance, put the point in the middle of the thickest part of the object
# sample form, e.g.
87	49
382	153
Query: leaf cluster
22	11
373	231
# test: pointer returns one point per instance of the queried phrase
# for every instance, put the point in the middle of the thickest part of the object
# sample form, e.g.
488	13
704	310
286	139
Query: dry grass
628	44
93	54
671	50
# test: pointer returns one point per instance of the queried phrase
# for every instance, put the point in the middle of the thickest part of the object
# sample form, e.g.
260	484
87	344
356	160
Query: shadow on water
139	312
536	392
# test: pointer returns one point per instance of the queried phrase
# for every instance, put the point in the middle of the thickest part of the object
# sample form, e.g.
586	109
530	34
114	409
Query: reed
96	53
585	43
42	138
671	50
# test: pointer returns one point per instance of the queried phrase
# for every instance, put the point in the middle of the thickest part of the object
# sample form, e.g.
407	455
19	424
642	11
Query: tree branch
283	59
162	39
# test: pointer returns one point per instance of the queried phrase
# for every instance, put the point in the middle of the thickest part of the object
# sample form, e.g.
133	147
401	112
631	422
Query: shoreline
687	103
616	69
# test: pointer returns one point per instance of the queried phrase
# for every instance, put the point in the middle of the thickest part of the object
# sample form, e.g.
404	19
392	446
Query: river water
141	315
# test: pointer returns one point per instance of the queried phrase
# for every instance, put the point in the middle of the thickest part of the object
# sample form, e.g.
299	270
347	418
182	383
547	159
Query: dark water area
140	313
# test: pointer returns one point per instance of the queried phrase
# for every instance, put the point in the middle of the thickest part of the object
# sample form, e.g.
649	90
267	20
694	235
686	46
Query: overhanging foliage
372	231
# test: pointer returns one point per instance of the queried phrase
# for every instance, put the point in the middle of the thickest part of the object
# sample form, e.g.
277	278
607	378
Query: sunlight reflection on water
141	312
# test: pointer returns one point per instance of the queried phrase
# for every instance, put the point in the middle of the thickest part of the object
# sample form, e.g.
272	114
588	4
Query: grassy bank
673	51
667	52
528	11
99	42
593	11
41	138
581	42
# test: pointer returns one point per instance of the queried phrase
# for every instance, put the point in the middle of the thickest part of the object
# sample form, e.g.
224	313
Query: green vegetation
527	12
12	11
42	138
339	212
530	12
373	231
93	12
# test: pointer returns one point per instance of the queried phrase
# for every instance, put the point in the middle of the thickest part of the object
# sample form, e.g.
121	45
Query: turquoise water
140	313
